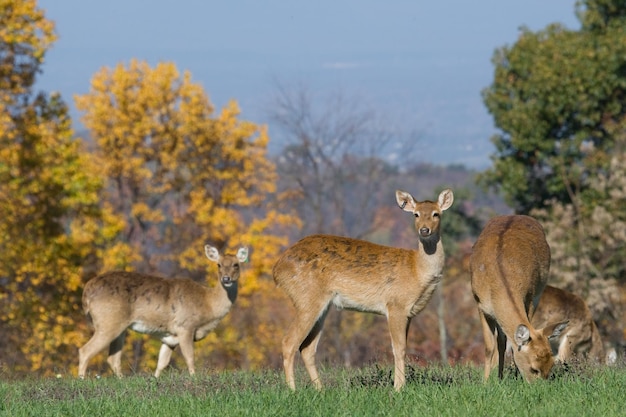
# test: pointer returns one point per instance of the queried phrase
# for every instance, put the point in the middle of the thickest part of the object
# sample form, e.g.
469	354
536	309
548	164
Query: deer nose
425	231
226	279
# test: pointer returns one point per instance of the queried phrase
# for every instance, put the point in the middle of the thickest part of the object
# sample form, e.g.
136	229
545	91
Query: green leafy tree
554	96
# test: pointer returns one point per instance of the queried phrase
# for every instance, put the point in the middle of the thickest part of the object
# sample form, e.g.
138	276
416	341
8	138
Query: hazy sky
424	63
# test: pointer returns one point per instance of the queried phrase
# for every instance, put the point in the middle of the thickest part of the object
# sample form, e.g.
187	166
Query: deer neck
430	253
231	292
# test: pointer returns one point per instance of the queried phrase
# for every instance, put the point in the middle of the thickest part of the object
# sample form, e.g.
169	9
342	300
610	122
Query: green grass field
430	391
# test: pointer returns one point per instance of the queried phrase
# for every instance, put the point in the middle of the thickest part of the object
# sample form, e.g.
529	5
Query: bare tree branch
335	154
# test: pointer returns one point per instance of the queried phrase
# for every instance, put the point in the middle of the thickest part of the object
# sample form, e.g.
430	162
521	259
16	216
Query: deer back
129	297
509	264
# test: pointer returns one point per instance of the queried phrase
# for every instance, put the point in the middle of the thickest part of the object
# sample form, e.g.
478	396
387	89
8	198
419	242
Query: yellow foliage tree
53	229
182	177
25	36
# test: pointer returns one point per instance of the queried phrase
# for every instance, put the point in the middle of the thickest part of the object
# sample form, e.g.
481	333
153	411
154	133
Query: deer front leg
566	351
398	328
501	339
186	348
165	354
489	336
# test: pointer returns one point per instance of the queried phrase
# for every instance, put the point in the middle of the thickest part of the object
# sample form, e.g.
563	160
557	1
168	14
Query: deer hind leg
489	336
303	335
115	354
308	348
398	328
98	342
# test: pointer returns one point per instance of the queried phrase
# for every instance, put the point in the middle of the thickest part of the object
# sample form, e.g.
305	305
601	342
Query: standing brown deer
509	266
581	339
358	275
178	311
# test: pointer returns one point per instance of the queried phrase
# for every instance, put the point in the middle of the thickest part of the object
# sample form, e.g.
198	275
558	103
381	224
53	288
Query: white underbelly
141	327
344	303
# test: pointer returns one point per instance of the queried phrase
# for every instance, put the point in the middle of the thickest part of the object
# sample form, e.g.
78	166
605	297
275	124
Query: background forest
159	172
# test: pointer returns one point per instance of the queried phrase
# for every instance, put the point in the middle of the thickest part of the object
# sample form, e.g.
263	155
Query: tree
181	177
25	37
554	94
52	227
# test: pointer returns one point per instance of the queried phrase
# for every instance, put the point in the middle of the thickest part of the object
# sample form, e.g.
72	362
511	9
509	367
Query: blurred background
133	133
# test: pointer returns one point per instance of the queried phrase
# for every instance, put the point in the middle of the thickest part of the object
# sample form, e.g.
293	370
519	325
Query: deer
354	274
509	268
581	340
179	311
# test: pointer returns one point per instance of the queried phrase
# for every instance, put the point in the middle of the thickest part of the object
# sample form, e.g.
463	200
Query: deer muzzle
425	231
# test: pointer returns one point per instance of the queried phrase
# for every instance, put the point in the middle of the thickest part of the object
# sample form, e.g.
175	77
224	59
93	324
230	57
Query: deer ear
554	330
242	254
405	201
446	198
212	253
522	336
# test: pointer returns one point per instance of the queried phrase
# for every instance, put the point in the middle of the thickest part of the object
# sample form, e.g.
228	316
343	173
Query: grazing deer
178	311
509	266
581	339
359	275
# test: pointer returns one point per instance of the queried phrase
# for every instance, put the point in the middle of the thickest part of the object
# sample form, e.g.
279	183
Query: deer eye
534	371
435	214
417	214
